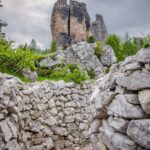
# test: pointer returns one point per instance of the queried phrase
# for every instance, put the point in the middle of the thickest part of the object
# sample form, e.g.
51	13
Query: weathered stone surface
79	21
83	55
144	98
119	124
61	131
12	145
114	140
98	28
94	126
139	131
104	99
132	66
31	75
135	81
49	62
143	55
132	98
69	22
120	107
59	19
8	130
108	58
121	128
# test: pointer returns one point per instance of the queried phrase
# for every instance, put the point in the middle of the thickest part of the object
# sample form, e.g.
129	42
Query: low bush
68	73
90	39
91	73
146	42
53	47
14	61
99	49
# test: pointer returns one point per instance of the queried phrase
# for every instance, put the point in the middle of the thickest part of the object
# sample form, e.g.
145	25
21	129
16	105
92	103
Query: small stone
132	98
61	131
144	98
51	103
82	126
50	121
119	124
69	119
94	126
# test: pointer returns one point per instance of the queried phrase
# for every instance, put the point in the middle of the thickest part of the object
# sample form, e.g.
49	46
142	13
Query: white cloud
29	19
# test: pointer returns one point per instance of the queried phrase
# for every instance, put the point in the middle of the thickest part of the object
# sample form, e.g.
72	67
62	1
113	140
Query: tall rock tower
70	23
79	21
59	22
98	28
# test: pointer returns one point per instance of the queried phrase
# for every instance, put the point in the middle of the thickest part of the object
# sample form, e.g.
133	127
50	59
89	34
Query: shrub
65	47
14	61
146	42
106	70
99	49
44	72
53	47
115	42
91	73
124	48
90	39
68	73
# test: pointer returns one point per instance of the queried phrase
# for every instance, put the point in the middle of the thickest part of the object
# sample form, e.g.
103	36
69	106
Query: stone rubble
44	116
122	97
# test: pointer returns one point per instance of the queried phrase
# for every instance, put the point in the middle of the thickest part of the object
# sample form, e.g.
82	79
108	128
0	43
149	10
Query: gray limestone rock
143	55
94	126
144	98
136	81
132	98
120	107
31	75
139	131
132	66
108	58
98	28
114	140
119	124
61	131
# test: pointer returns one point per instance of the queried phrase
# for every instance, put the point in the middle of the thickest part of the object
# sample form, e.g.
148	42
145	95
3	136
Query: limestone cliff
98	28
69	23
79	21
59	22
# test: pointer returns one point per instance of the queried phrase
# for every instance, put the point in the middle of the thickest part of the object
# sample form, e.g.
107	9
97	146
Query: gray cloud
29	19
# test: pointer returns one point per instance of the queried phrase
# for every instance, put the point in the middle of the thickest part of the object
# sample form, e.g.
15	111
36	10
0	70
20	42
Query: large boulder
144	98
139	131
114	140
30	75
136	81
120	107
119	124
143	55
108	58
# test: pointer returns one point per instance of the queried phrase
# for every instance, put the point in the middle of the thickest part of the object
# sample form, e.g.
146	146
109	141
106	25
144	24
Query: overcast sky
29	19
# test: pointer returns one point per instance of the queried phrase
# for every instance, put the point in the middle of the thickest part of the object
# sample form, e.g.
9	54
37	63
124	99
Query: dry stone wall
121	120
44	116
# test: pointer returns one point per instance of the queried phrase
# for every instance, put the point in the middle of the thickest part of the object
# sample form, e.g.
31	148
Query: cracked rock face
70	23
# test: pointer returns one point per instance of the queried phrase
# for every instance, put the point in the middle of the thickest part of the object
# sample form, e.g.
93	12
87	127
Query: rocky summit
70	23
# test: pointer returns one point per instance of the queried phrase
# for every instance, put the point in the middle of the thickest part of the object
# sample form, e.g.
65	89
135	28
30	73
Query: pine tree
2	23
